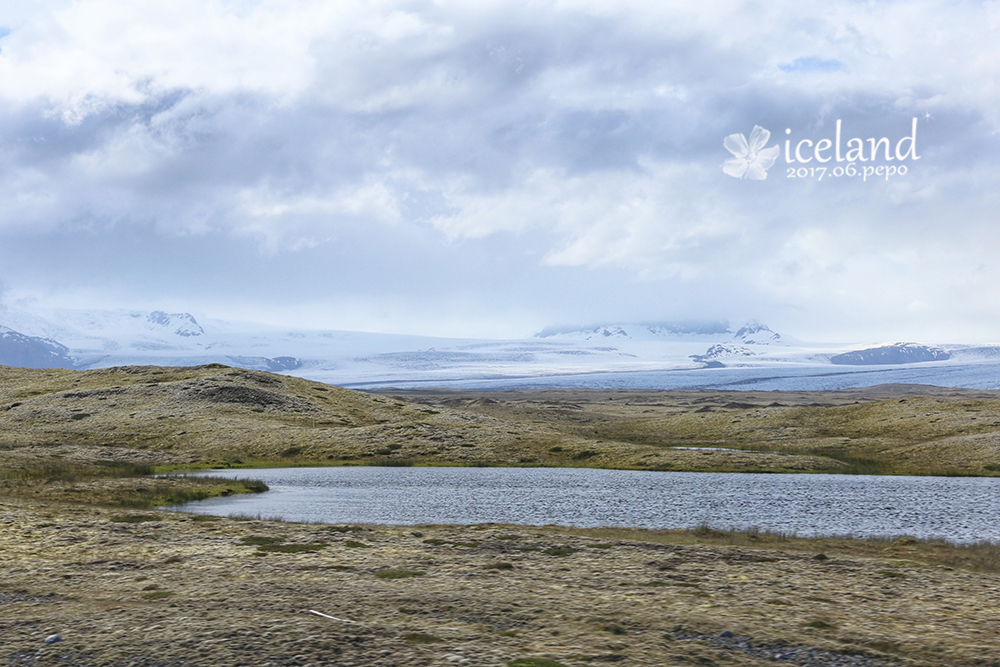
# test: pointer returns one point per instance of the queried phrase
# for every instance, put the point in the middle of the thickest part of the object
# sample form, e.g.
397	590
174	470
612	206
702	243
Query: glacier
655	355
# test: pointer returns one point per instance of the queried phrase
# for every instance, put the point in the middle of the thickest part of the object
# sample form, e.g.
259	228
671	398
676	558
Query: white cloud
294	220
639	220
98	53
576	136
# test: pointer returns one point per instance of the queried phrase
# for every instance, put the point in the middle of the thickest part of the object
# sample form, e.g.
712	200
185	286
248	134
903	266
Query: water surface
959	509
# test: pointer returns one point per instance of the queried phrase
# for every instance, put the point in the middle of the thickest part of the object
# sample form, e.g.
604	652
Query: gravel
799	655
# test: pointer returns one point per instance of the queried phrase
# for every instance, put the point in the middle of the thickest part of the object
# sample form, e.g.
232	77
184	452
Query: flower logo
751	159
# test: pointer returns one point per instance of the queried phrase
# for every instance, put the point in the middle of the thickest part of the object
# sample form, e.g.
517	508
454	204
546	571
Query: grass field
219	416
83	555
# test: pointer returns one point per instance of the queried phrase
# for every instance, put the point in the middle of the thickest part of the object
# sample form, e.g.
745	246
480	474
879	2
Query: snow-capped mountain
892	353
95	328
755	333
656	355
640	331
751	333
182	324
724	351
16	349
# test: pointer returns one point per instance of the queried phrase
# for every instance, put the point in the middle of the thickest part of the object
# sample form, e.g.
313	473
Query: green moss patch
260	540
291	548
398	574
157	595
134	518
498	566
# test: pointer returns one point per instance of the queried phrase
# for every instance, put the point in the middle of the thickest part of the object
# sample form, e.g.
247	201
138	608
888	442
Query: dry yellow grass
893	429
160	588
153	588
215	415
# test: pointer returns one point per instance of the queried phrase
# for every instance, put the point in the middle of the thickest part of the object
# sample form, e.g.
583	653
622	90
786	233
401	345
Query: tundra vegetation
115	422
87	556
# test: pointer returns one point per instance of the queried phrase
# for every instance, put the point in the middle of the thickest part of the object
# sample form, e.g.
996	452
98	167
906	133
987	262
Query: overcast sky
488	169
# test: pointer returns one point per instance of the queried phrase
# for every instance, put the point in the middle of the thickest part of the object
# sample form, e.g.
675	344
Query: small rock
821	557
416	533
726	634
52	639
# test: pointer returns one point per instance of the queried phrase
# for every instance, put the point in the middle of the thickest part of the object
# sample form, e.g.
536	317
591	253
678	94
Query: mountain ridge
102	339
17	349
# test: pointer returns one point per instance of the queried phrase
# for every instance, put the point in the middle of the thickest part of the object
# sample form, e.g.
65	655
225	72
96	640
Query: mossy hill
220	416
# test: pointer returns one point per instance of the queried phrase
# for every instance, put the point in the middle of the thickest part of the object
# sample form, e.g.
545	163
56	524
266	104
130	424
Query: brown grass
219	416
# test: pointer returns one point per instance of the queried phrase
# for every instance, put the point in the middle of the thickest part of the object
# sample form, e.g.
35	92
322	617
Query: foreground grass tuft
291	548
398	574
258	540
157	595
134	518
560	551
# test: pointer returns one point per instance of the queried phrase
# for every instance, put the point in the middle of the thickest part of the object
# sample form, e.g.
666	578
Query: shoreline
962	512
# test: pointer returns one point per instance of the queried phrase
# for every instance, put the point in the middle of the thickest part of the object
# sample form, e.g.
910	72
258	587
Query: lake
958	509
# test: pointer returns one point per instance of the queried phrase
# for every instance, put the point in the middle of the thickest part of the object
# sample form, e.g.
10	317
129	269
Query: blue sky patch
812	64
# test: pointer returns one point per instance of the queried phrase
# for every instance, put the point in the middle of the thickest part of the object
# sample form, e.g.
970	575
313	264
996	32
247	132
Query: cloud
577	137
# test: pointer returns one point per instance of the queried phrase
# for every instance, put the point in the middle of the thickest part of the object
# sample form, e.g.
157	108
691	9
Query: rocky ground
145	588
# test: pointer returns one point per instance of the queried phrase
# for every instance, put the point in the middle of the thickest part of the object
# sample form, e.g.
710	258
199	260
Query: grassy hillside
216	415
890	429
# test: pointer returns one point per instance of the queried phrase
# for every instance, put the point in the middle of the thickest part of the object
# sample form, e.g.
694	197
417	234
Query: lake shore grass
114	483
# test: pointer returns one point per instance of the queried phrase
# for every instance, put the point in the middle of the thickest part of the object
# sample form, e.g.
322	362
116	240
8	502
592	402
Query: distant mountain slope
182	324
102	329
751	333
755	333
896	353
638	331
90	339
723	351
16	349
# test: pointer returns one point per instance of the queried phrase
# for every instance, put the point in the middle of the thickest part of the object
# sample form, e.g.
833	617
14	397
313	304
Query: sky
489	169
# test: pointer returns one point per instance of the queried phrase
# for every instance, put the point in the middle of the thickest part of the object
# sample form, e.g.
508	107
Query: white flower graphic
752	159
